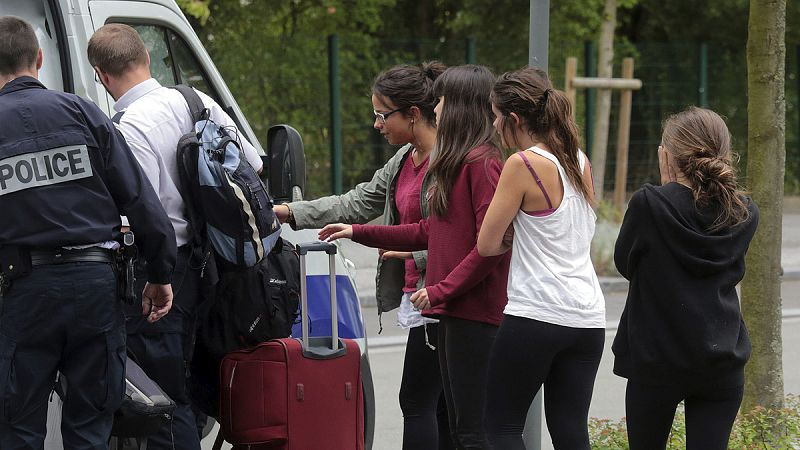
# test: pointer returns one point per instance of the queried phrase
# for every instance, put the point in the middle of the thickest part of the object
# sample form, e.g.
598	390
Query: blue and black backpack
228	205
252	278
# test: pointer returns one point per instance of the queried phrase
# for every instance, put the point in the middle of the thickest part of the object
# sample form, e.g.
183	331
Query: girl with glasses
553	330
464	290
403	102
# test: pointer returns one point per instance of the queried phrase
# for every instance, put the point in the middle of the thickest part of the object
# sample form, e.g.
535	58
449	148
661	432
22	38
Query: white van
64	27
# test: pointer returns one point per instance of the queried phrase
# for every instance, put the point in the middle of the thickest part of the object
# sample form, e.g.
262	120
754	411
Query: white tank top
552	278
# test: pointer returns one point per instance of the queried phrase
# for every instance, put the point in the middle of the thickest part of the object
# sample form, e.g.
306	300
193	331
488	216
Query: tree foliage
198	9
273	54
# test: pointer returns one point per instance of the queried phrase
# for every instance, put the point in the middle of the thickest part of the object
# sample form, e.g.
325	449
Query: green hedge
761	428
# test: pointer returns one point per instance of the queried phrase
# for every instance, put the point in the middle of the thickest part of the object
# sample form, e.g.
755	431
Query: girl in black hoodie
682	246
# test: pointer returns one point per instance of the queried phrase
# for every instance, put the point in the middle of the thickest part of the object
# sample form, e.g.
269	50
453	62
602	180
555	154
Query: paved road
607	402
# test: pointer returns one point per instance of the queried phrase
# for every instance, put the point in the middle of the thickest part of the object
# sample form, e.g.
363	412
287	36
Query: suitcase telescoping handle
319	348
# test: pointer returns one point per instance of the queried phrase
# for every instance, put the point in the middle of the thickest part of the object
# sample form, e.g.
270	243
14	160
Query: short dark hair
18	45
115	48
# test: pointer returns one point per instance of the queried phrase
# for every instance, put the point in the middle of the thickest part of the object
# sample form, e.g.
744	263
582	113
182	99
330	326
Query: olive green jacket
365	202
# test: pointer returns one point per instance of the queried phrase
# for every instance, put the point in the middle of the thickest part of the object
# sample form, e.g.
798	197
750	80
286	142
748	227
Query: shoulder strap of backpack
196	107
201	247
118	116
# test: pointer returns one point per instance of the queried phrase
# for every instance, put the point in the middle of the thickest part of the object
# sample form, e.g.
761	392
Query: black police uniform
66	175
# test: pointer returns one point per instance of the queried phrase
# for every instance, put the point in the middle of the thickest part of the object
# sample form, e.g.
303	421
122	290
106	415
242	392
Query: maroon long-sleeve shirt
460	282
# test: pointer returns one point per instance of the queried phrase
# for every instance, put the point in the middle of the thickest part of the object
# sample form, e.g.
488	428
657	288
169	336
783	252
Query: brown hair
547	115
115	48
18	45
408	86
465	122
700	143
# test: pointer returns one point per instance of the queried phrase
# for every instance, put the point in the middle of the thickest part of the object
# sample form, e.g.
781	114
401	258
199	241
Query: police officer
66	175
152	118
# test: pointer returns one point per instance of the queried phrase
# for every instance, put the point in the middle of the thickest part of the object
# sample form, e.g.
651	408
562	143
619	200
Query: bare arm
505	204
588	181
361	204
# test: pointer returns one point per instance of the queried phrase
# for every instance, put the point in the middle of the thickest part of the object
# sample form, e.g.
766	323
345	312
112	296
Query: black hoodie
682	323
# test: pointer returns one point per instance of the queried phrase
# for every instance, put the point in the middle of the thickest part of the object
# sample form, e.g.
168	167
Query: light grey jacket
363	203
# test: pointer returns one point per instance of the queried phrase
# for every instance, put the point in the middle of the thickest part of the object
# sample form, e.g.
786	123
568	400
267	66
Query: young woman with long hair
403	102
682	246
553	330
463	289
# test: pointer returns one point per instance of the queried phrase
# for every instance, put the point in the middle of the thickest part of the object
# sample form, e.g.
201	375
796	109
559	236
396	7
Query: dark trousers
710	413
425	423
464	347
61	318
528	353
162	350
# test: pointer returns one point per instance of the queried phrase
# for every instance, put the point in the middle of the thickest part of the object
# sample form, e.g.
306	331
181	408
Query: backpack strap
196	107
118	116
201	248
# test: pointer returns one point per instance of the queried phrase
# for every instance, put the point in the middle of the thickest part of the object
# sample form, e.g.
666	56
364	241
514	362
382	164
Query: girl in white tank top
552	278
553	330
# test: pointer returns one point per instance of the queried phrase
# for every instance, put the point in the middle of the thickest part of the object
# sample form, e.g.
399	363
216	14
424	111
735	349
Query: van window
171	60
49	33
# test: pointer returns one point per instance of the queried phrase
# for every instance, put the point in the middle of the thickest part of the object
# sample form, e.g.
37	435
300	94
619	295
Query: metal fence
674	76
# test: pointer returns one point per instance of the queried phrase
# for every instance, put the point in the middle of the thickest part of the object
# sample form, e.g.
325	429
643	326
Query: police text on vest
57	165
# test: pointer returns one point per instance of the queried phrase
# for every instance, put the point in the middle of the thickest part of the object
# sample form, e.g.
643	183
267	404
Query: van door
176	53
47	22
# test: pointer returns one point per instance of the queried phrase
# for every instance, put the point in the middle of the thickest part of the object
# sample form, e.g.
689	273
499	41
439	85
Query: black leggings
528	353
710	413
425	424
464	347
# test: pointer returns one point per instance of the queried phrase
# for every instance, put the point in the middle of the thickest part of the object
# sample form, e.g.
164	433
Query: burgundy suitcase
295	395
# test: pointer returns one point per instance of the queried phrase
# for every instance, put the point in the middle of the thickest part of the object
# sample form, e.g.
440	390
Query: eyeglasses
383	116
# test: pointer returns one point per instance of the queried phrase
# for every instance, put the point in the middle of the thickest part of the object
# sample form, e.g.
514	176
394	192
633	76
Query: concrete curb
611	329
791	274
620	284
607	284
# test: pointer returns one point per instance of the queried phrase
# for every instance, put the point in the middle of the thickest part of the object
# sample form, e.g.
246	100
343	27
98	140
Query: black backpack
228	205
251	305
145	409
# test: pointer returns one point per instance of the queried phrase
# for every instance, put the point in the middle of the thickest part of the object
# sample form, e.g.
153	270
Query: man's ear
39	59
103	76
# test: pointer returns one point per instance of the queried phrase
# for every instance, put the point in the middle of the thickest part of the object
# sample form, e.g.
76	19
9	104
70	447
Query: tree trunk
766	147
605	60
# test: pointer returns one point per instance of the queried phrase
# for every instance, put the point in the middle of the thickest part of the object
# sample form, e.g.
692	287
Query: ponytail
700	143
561	136
547	114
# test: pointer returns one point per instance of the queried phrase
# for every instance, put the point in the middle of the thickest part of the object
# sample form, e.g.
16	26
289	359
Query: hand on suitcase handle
318	246
336	231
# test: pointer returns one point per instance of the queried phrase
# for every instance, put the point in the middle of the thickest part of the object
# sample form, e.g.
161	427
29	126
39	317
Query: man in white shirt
152	118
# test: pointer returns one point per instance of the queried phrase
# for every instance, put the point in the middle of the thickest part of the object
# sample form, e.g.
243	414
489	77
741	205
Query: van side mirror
285	164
